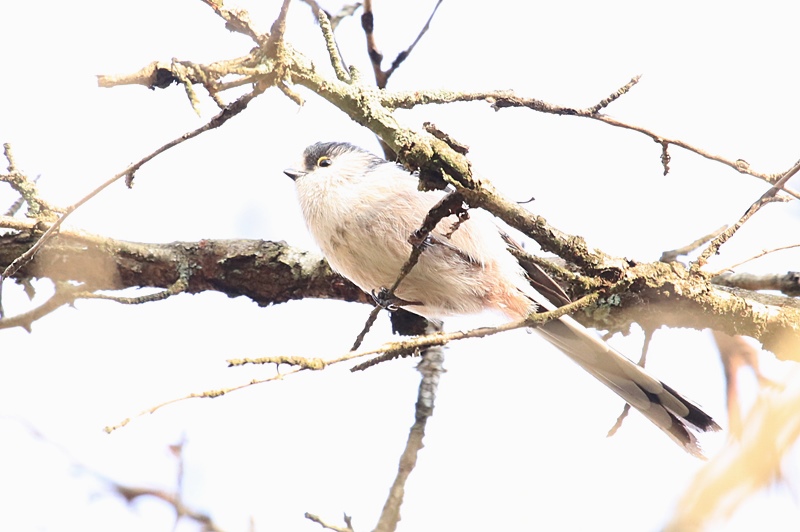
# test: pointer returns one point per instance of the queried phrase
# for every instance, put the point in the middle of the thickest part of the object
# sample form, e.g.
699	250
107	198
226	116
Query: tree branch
266	272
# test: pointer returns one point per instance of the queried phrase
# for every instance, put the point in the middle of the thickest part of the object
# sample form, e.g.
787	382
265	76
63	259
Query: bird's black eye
324	161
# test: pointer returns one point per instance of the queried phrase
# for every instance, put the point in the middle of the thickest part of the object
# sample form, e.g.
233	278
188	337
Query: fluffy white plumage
362	209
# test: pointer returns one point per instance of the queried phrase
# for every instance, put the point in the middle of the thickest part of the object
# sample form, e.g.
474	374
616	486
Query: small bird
361	210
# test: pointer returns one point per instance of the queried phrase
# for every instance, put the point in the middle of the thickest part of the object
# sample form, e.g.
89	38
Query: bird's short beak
294	174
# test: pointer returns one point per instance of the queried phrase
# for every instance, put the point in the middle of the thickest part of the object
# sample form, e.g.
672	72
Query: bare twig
670	256
723	237
404	346
402	56
15	207
27	189
328	23
209	394
173	499
347	10
450	204
602	104
503	99
767	197
65	294
373	315
177	288
431	367
9	154
129	493
787	283
181	510
229	112
275	48
327	526
278	28
181	74
290	360
648	337
665	156
375	56
9	222
237	20
758	256
337	61
779	184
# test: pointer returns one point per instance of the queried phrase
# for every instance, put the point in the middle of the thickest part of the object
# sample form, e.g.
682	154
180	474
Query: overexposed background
518	437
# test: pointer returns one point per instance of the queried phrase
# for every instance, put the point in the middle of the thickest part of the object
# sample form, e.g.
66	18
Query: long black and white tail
662	405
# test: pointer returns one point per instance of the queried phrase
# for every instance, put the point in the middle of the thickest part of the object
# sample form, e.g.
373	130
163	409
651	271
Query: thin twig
602	104
373	315
9	154
237	20
290	360
403	346
27	189
317	519
671	256
65	294
172	499
375	56
648	337
503	99
230	111
178	287
450	204
758	256
723	237
278	28
15	207
275	49
787	283
402	56
328	23
347	10
779	185
335	55
767	197
431	367
209	394
9	222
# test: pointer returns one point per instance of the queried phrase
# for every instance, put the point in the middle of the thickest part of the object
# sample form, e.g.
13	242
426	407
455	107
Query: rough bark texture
651	294
266	272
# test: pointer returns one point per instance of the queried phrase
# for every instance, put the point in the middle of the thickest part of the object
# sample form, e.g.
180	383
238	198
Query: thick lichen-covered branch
653	295
266	272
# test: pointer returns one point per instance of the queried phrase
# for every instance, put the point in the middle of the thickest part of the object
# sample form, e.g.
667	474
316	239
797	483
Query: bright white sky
518	437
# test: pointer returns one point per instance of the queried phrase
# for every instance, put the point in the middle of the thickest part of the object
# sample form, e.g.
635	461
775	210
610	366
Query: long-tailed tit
362	209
